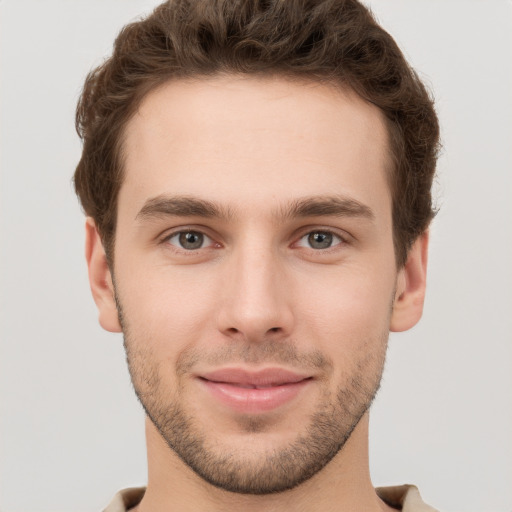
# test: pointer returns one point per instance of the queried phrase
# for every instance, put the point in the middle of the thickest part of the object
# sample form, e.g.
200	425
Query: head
336	42
257	180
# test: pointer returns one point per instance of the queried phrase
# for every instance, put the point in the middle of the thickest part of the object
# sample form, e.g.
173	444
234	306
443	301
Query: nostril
274	329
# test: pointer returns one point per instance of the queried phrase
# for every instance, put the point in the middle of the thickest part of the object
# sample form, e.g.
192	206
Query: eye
319	240
189	240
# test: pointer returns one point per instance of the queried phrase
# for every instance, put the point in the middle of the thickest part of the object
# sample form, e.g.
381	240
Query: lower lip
251	400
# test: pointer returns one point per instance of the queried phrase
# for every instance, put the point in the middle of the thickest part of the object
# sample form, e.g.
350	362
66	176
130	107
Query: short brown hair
337	41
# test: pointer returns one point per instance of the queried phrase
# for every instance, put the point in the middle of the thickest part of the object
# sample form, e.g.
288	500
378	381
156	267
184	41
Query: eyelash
168	237
341	240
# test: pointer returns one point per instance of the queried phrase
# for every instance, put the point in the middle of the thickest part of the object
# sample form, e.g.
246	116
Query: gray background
71	429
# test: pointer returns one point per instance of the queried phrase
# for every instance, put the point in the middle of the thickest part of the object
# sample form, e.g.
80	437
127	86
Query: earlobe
410	288
100	278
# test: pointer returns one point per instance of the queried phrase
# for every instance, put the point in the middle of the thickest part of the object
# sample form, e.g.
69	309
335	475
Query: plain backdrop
71	428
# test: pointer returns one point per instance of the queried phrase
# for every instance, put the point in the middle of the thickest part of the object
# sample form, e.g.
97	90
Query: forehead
243	139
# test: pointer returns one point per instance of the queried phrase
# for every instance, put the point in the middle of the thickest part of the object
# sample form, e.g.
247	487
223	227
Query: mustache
254	353
264	352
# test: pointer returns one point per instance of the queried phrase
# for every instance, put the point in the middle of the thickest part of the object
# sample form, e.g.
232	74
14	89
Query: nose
255	303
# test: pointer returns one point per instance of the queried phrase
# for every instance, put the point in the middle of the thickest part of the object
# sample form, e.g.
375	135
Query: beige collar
403	497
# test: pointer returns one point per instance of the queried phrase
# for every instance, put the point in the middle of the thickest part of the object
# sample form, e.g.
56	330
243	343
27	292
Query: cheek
167	307
347	310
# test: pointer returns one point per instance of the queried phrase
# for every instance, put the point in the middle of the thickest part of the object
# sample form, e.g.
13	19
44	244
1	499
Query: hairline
150	87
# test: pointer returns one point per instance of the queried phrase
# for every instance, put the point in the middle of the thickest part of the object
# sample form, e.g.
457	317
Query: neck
344	484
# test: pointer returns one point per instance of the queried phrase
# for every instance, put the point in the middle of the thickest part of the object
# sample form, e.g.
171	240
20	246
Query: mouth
254	392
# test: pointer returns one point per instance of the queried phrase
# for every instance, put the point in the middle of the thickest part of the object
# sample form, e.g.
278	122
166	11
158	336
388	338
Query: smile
253	392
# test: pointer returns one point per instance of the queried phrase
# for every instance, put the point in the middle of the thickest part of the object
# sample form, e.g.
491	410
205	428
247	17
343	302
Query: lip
254	391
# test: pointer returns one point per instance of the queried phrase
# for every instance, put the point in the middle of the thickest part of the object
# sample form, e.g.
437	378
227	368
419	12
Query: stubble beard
274	470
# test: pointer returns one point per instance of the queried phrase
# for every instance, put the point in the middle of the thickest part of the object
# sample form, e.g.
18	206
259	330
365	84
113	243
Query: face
254	273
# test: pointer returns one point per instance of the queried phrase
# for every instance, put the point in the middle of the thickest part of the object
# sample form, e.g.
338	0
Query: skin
257	293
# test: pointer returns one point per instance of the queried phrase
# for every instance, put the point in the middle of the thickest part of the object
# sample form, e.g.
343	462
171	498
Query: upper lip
267	377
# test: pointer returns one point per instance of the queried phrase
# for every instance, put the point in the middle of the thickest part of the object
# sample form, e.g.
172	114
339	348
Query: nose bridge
255	301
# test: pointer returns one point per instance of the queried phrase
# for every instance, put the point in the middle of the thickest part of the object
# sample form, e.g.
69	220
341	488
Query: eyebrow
319	206
314	206
182	206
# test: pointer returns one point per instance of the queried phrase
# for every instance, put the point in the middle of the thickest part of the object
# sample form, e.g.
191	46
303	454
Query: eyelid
168	234
337	240
205	241
344	236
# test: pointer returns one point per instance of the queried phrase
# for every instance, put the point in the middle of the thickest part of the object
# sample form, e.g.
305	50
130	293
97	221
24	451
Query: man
256	177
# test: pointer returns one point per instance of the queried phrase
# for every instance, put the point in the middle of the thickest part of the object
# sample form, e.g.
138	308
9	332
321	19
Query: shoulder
406	498
126	499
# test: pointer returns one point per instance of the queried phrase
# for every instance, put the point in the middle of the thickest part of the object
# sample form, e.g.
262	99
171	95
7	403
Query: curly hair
337	41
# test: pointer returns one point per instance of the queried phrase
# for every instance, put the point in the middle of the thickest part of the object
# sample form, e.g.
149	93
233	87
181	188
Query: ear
410	289
100	278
